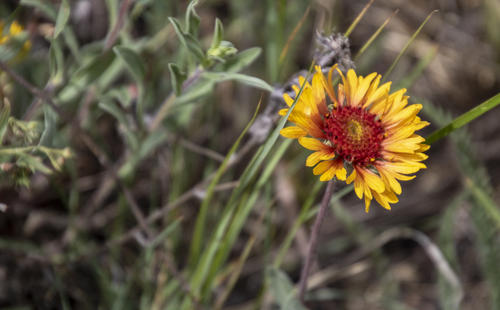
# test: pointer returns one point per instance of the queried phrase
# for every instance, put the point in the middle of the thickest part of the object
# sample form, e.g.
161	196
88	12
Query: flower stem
313	242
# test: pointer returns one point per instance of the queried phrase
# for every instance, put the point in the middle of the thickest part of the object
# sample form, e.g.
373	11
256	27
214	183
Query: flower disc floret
355	134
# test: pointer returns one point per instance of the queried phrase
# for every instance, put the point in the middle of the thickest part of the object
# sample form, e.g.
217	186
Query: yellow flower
361	130
15	29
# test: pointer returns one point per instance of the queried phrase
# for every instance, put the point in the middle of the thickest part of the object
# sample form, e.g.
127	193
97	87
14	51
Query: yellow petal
363	85
341	173
319	93
305	122
322	167
293	132
382	201
313	144
316	157
372	180
289	100
327	175
352	81
390	180
351	177
367	204
358	187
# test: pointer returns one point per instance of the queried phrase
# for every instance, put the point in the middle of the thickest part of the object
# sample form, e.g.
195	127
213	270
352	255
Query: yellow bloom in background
361	134
15	29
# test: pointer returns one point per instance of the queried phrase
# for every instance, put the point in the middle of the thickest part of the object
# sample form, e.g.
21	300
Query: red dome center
355	134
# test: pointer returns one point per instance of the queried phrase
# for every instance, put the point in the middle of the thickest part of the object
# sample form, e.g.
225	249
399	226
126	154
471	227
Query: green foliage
282	289
20	156
464	119
127	107
485	214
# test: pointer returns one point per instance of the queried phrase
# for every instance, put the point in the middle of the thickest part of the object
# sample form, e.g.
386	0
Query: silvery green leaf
62	17
192	18
177	77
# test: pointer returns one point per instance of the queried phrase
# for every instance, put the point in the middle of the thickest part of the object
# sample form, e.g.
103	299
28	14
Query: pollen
354	134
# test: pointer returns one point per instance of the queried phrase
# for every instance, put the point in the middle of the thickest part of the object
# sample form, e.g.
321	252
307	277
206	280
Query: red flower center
355	134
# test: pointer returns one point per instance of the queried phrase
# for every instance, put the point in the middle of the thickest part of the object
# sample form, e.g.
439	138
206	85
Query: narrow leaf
62	18
407	45
242	78
241	60
50	119
192	18
133	62
282	290
177	77
43	6
464	119
218	34
201	219
4	118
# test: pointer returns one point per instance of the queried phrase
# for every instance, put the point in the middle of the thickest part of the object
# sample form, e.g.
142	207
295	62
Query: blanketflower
361	133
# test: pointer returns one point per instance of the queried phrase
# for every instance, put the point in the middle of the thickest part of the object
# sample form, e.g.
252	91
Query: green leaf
464	119
482	198
192	18
198	90
241	60
43	6
218	33
62	18
50	120
111	108
56	156
188	41
178	30
242	78
133	62
450	295
177	77
32	162
131	138
407	45
56	62
282	289
164	234
4	118
206	261
91	71
484	212
146	148
199	231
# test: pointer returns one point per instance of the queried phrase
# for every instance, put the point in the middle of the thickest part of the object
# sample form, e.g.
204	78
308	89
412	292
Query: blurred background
112	226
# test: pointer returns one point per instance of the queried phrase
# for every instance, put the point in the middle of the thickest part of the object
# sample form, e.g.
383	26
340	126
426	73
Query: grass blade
375	35
199	230
464	119
407	45
358	19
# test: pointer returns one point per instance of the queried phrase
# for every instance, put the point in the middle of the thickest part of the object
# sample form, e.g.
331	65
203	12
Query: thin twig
37	102
31	88
432	250
136	210
202	150
113	35
167	103
313	243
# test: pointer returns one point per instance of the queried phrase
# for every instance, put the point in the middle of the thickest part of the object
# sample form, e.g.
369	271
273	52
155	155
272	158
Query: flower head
361	133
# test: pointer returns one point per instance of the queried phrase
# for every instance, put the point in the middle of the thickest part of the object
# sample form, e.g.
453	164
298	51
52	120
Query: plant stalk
313	242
